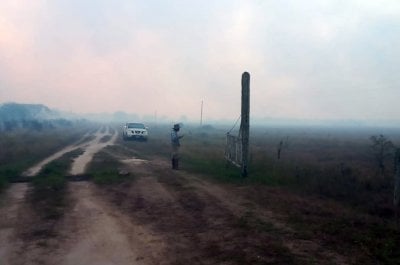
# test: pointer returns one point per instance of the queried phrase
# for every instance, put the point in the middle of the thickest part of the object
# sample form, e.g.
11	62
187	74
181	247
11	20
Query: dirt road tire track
98	234
24	235
10	204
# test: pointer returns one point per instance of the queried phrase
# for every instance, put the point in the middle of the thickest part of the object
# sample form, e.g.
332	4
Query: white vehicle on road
134	130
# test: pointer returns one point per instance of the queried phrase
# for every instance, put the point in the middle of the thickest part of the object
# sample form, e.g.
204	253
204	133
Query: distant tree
382	150
36	125
10	125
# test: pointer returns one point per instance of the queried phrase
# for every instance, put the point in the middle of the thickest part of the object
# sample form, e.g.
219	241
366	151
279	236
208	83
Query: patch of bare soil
101	235
91	232
205	223
34	239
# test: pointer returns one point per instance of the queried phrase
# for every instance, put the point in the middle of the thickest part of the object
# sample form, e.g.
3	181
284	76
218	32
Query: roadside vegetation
342	165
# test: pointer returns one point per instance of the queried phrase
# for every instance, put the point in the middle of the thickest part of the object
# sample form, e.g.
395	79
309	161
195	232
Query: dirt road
160	217
91	148
14	210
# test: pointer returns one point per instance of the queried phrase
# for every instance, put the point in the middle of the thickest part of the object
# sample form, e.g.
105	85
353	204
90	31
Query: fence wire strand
235	124
233	148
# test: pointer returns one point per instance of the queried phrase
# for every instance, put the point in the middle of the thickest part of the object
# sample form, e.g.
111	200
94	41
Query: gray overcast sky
311	59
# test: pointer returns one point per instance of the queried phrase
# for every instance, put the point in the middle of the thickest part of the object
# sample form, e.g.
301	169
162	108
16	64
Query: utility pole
201	114
245	122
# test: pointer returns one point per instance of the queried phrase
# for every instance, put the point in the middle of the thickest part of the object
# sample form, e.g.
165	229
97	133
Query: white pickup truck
134	130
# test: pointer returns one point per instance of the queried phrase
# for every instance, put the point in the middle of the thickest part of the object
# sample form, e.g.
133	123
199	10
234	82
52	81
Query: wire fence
233	149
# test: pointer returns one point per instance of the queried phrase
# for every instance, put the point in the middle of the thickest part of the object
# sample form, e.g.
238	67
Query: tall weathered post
245	122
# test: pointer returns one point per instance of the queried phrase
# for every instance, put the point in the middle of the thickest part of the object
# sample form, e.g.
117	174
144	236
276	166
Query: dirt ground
162	216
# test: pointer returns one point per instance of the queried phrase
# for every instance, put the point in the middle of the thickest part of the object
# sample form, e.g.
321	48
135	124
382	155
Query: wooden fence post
396	197
245	122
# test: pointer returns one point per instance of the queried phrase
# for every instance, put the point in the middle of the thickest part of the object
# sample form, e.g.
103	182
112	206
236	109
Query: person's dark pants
175	163
175	157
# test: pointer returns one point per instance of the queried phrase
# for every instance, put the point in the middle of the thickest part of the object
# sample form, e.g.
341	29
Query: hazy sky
307	59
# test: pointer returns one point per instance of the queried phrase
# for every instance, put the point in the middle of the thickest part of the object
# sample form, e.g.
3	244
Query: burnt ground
162	216
205	223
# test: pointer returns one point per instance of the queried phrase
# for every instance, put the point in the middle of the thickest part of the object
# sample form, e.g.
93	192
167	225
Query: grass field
328	162
337	164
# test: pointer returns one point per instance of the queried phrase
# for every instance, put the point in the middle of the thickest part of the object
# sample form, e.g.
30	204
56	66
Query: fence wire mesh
233	149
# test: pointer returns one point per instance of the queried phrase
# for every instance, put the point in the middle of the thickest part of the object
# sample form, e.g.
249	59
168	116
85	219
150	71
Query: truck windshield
136	125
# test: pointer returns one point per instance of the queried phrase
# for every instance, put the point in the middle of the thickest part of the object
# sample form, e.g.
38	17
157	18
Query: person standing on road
175	146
